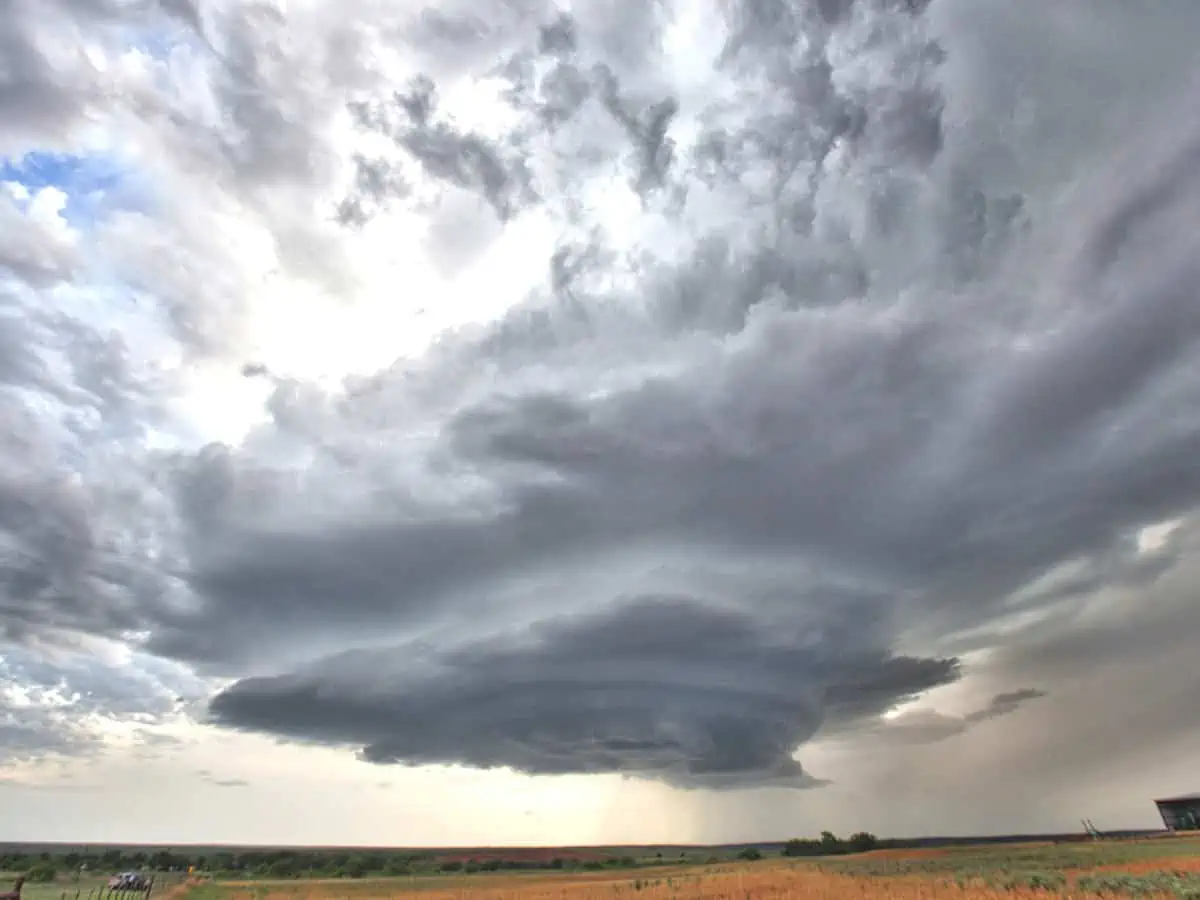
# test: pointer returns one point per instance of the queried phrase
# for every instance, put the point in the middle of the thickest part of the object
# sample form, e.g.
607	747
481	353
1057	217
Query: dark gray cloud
928	726
661	687
831	386
75	404
1003	704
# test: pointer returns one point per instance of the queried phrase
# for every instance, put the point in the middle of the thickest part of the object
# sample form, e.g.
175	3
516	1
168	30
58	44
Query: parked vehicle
129	881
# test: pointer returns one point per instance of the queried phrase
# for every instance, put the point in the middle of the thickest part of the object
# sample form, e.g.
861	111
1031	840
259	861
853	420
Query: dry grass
1145	870
1147	866
772	881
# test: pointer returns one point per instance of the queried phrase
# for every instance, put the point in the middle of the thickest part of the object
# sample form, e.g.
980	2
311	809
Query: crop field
1163	868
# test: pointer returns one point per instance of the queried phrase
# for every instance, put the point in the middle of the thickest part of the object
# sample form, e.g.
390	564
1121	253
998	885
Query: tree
357	866
282	868
861	842
751	854
802	847
397	865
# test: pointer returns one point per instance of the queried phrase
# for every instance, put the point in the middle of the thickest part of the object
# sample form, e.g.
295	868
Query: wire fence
110	892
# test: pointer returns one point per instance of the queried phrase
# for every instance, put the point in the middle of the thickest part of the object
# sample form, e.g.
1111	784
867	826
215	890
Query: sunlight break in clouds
670	421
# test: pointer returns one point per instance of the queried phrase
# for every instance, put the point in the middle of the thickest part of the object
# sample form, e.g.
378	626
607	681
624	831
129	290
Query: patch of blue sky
157	43
162	40
94	184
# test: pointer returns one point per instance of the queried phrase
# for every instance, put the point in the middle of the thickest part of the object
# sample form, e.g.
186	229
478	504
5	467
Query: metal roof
1182	798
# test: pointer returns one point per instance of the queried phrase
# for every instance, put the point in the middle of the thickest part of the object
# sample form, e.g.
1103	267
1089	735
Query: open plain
1161	867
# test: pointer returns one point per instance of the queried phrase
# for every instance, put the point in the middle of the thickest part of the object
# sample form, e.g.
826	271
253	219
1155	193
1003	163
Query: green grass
88	887
64	887
1051	868
989	860
1184	885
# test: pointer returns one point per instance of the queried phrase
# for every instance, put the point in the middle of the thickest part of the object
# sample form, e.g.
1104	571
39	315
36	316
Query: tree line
45	866
282	863
829	844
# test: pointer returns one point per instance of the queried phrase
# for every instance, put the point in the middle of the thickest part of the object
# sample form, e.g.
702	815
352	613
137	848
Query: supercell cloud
792	359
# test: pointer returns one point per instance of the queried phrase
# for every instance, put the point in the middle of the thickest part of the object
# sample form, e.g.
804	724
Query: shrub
42	873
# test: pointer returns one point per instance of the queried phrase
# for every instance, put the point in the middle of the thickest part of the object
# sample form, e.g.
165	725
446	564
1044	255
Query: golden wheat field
1147	870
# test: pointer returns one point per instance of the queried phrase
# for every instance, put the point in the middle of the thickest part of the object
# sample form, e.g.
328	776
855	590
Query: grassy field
1162	868
92	888
85	887
1156	869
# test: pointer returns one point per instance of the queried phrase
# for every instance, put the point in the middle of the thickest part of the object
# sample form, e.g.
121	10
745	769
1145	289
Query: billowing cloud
75	702
784	385
662	687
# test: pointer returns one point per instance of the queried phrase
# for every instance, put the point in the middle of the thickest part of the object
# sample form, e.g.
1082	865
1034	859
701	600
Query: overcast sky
508	422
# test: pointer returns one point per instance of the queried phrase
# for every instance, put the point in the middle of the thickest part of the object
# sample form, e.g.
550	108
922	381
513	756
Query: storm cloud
814	391
659	687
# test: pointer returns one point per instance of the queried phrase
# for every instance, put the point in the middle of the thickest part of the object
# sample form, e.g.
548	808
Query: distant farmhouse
1180	813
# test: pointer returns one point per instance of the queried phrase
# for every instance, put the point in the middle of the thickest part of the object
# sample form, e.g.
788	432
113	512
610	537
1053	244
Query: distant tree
751	854
357	866
802	847
861	842
281	868
397	865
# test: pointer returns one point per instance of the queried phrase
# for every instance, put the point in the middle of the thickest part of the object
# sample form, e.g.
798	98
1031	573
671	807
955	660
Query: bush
801	847
751	854
861	842
42	873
